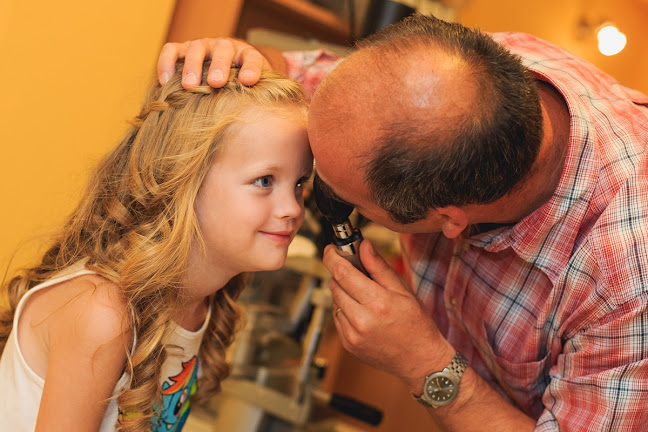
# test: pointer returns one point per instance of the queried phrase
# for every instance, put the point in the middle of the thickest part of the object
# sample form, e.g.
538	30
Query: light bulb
611	40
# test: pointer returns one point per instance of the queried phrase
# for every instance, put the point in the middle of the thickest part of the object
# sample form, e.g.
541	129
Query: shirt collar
547	237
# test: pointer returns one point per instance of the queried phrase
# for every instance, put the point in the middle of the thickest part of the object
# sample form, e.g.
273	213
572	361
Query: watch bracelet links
457	366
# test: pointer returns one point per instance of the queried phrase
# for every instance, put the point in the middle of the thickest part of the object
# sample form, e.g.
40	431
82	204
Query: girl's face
250	204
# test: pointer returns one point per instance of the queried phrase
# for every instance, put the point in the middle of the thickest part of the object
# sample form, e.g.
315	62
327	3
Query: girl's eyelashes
264	182
267	181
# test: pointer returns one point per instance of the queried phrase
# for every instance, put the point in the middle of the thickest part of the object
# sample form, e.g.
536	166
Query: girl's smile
280	236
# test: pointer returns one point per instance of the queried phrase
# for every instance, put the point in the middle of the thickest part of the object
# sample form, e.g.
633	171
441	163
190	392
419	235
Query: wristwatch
441	388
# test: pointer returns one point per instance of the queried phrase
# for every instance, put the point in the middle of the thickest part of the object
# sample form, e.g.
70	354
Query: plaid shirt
551	311
310	67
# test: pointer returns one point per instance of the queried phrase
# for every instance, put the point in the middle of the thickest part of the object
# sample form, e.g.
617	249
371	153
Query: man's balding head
426	114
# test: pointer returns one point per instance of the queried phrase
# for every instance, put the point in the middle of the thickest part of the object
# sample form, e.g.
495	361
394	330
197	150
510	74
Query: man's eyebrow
326	190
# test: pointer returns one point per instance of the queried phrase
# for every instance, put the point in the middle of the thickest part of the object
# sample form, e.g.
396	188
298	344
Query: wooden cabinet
194	19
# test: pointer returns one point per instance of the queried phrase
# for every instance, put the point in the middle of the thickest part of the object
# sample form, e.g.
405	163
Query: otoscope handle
349	249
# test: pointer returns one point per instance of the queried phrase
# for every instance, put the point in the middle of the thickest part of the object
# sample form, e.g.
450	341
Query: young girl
130	311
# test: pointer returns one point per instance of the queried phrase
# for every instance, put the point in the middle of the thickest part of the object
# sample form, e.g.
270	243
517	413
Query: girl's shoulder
88	299
95	302
86	332
89	310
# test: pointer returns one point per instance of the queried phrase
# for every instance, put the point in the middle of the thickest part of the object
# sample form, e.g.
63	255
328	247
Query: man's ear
453	220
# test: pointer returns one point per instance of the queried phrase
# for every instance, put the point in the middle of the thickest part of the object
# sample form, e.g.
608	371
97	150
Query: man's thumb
379	270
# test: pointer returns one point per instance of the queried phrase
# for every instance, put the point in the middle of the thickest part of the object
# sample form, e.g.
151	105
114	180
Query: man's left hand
381	321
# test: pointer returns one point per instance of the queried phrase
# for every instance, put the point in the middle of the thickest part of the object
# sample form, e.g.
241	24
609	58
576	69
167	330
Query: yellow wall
72	72
558	21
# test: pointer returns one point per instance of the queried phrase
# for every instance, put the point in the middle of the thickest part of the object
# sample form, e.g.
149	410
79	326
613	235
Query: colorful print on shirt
175	398
176	395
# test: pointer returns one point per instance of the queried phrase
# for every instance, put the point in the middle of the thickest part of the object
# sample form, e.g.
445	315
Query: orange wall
194	19
73	72
557	21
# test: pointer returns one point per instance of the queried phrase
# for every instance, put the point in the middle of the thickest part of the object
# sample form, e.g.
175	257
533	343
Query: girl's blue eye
265	181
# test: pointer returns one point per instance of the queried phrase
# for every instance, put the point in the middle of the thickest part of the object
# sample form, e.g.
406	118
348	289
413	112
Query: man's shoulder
619	241
527	45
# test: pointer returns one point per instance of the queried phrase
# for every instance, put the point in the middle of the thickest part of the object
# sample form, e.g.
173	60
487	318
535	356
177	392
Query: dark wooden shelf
297	17
194	19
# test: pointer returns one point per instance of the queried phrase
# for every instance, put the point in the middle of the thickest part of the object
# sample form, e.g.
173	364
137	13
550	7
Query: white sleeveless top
23	388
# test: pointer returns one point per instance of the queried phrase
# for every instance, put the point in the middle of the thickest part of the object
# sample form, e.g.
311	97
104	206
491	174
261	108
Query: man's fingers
197	51
169	55
354	283
341	298
379	270
344	304
252	63
343	325
223	53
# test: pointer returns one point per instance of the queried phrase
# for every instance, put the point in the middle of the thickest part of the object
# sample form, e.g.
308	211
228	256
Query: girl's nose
290	205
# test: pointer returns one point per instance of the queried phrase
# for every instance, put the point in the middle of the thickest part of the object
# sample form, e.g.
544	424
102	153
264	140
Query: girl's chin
271	266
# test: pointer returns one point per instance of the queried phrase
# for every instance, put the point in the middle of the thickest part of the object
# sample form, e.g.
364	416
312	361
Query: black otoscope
346	238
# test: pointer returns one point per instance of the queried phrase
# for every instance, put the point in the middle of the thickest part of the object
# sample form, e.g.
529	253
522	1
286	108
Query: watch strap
458	365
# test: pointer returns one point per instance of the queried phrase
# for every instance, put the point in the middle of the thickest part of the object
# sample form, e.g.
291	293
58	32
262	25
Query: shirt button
453	302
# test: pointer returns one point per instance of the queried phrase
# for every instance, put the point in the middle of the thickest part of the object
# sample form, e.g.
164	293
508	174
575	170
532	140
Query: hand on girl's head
223	52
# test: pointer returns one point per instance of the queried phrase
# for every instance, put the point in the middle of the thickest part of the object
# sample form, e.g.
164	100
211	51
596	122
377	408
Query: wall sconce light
610	40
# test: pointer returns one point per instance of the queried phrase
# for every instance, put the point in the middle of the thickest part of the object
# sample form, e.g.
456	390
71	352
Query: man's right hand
223	52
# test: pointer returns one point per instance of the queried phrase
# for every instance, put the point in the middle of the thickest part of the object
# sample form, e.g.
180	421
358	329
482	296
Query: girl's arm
88	342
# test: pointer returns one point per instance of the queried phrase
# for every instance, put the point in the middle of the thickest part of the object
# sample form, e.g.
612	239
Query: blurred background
75	72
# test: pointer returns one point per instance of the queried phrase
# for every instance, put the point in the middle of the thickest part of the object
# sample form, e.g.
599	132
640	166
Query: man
521	192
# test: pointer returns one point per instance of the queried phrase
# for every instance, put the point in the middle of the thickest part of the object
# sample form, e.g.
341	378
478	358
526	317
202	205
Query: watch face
440	389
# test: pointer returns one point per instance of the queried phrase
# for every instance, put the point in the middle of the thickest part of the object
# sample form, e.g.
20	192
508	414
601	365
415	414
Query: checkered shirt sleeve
310	67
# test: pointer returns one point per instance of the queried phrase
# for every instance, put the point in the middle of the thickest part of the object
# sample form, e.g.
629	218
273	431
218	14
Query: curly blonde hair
136	223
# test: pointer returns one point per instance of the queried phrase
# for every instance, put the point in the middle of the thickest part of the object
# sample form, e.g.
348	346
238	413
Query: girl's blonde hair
136	223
